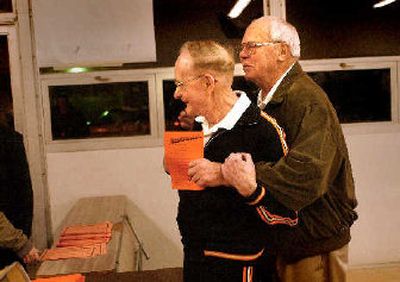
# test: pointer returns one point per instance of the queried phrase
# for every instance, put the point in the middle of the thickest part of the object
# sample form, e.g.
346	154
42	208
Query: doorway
20	111
6	102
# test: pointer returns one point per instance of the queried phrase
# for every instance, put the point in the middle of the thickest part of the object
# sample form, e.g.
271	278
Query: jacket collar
286	83
230	119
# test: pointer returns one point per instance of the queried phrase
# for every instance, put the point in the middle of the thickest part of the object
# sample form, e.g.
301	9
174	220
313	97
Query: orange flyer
63	278
181	147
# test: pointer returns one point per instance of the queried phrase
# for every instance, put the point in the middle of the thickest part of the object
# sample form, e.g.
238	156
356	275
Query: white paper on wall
93	32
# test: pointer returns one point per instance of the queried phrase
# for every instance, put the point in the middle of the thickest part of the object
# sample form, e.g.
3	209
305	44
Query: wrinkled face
258	62
189	86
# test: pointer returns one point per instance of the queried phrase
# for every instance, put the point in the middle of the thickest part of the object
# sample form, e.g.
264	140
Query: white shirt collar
232	117
262	103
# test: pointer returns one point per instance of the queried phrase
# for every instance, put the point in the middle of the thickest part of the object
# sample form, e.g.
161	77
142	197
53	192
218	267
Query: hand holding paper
181	147
206	173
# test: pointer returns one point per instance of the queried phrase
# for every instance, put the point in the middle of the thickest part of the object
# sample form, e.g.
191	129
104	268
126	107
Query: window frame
278	8
155	78
10	17
99	143
161	75
363	63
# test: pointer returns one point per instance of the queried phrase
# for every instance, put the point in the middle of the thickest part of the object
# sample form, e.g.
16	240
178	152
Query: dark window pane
358	95
6	106
173	107
99	110
5	6
342	28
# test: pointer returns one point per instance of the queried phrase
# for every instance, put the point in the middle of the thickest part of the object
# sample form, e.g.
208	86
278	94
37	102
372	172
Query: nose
177	93
243	54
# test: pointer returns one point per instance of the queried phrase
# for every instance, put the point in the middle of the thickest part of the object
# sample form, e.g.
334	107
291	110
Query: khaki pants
330	267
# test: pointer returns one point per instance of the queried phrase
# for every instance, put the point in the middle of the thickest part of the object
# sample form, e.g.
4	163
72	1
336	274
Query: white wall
138	174
79	33
376	165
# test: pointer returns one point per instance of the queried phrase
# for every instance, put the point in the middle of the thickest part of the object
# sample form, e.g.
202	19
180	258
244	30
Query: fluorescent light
76	70
383	3
238	8
105	113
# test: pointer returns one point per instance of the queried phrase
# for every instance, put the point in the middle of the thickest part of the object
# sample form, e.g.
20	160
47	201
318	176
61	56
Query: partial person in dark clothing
16	197
315	177
224	228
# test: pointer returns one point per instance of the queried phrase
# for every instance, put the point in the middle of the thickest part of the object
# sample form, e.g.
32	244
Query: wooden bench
14	272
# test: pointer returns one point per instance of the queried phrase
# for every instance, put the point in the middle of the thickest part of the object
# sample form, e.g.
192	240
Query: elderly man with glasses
314	178
224	229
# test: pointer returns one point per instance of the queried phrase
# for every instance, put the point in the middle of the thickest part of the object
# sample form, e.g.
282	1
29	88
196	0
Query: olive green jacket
12	238
315	177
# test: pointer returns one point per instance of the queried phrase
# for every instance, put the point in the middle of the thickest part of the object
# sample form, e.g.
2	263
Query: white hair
282	31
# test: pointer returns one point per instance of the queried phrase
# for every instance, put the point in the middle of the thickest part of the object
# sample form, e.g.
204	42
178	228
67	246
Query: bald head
278	30
210	56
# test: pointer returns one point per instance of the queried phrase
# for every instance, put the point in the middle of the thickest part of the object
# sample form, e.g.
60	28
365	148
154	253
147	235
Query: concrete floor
381	273
384	273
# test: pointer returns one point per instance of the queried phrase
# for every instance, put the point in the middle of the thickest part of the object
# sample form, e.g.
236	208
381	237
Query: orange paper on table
79	229
63	278
181	147
85	251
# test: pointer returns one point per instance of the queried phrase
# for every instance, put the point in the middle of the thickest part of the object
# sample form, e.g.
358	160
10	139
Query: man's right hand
239	171
205	173
32	256
186	121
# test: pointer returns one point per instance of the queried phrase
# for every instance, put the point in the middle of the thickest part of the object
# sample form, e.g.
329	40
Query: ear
210	80
284	52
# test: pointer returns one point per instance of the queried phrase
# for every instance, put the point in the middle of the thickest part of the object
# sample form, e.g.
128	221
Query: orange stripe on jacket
279	129
233	256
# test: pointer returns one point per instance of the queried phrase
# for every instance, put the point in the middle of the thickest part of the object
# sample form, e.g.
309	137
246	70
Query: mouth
246	67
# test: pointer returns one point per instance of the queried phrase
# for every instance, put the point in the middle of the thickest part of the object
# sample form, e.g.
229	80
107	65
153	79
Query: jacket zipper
215	135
